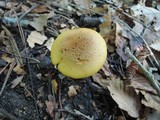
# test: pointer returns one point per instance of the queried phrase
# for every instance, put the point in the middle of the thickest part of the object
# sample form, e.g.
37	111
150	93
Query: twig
34	59
23	15
8	115
121	11
146	44
74	114
7	77
68	111
150	77
4	69
13	45
142	34
59	98
32	86
80	7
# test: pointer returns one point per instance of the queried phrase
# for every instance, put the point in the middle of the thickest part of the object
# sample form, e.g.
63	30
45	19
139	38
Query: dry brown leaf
7	59
18	69
40	9
100	9
54	85
125	97
24	8
131	70
120	41
36	37
140	82
105	68
121	118
16	81
143	54
50	105
72	91
151	100
100	80
105	28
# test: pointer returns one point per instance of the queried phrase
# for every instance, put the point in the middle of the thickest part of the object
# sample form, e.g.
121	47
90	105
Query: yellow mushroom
79	53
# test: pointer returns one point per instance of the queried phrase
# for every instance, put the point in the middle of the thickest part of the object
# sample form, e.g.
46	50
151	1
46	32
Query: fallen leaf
136	43
141	83
125	97
54	85
18	69
50	105
72	91
40	9
151	36
138	28
105	68
105	28
24	8
100	80
36	37
7	59
40	22
49	43
120	41
99	9
121	118
147	15
151	100
16	81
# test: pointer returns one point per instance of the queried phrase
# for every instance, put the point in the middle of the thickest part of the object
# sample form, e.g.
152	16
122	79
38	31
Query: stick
7	77
150	77
13	45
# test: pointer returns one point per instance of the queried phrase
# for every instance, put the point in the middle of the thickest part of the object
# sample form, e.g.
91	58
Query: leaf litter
119	90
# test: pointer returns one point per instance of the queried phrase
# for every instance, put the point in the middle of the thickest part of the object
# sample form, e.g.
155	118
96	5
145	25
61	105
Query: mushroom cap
79	53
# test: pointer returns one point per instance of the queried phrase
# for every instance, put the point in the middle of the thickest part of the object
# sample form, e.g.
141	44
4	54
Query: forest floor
31	87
